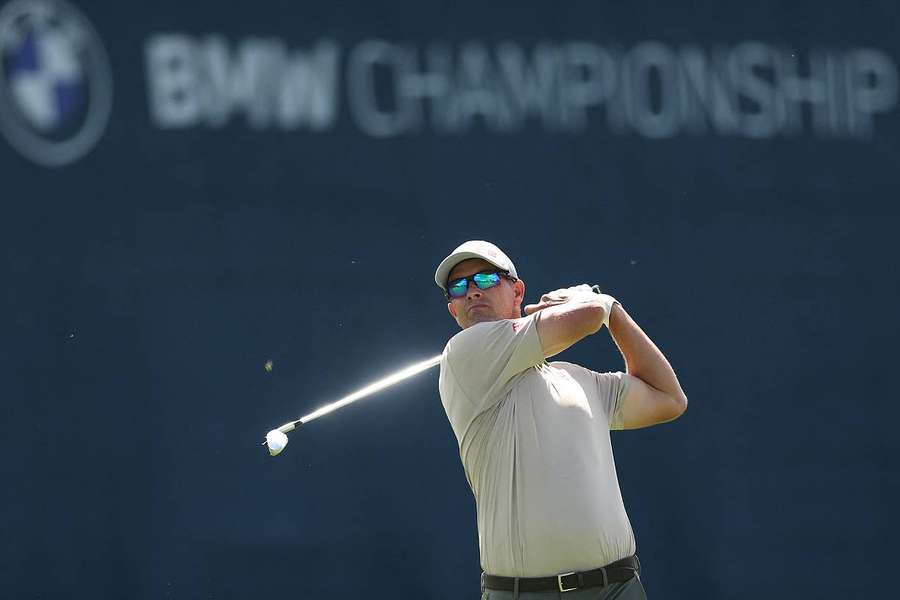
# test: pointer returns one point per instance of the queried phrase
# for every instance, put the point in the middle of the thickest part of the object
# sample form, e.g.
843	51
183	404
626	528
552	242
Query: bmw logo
55	82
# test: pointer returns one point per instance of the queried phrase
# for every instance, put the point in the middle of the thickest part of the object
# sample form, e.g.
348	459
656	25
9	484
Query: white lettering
752	67
653	112
872	83
753	89
171	82
308	93
433	84
477	94
706	92
203	81
589	77
798	90
380	119
533	89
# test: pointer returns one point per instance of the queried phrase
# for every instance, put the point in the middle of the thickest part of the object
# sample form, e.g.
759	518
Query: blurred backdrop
194	191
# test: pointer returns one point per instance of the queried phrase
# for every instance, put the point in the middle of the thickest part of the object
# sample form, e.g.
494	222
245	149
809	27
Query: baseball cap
473	249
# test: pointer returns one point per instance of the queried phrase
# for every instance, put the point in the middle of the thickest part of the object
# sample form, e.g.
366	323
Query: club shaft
361	393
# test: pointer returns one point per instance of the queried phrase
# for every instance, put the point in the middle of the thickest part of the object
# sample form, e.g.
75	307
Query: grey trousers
626	590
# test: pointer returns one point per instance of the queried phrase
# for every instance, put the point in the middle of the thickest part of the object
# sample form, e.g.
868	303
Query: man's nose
473	291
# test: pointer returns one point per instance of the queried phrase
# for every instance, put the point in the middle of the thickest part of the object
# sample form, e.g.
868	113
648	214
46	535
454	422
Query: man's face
502	301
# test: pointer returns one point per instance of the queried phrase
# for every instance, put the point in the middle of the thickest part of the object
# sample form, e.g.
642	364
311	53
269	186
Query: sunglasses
457	288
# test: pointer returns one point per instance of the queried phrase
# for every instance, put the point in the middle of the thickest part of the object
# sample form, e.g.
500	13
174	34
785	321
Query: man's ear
519	291
452	309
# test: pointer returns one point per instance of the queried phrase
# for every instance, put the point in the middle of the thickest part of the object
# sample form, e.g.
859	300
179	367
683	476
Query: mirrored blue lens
458	288
486	280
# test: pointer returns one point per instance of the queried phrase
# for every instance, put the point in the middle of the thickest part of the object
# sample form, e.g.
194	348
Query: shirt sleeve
612	388
485	357
606	392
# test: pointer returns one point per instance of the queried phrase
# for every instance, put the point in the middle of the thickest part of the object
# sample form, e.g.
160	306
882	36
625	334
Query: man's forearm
642	358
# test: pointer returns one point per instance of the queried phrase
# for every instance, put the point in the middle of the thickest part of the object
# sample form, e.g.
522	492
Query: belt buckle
559	581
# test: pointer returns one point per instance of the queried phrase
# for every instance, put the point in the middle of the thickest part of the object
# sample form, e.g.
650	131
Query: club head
276	441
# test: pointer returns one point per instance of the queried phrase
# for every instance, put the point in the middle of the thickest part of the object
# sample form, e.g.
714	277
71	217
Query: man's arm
567	316
654	396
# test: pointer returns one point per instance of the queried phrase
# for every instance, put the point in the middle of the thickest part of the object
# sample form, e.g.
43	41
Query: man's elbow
593	316
679	404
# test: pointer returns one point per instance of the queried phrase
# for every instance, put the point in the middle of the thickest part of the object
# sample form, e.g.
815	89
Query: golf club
277	439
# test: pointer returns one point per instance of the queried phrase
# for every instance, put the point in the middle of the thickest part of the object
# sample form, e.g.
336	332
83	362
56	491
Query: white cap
473	249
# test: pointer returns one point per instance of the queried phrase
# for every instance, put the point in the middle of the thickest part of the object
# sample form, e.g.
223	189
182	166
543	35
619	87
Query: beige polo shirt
534	441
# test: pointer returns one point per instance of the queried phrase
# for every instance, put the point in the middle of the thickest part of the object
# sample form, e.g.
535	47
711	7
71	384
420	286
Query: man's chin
479	317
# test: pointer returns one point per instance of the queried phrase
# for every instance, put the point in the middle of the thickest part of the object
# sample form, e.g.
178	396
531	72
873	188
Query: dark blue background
146	286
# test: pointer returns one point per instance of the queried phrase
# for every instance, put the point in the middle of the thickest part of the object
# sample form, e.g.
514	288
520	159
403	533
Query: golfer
534	436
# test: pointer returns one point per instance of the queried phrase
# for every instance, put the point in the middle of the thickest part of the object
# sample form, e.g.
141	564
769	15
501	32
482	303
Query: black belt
616	572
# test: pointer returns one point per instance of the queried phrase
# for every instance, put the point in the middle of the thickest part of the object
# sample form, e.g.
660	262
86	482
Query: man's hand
579	293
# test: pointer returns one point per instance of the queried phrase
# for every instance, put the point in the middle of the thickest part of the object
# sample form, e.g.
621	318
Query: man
534	436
